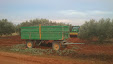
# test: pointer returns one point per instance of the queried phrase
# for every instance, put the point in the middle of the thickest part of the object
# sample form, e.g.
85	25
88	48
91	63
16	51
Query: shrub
6	27
101	29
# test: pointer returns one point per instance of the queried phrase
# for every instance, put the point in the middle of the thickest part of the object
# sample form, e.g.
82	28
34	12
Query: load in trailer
40	34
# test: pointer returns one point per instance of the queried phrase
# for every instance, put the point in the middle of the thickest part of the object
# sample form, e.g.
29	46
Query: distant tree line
102	29
7	27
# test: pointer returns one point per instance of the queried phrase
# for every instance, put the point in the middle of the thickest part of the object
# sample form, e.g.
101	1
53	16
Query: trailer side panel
45	32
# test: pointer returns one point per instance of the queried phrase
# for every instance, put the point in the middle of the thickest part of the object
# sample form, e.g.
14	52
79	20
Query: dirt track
9	60
13	58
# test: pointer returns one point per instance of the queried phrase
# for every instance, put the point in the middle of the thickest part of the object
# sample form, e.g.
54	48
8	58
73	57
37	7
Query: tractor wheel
56	46
29	44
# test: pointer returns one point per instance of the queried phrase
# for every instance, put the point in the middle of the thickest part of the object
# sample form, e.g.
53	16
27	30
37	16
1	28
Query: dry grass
13	34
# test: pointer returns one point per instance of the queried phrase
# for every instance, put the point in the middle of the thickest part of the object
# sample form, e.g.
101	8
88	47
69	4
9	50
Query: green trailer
40	34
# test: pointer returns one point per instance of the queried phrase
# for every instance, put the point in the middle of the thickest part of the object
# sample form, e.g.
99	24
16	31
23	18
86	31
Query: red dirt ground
11	40
77	40
90	48
93	49
86	49
13	58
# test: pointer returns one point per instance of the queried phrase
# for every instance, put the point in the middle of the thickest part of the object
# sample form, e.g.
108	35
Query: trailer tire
56	46
29	44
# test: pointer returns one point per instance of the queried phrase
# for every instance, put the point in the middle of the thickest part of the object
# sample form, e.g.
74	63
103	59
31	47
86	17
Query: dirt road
13	58
9	60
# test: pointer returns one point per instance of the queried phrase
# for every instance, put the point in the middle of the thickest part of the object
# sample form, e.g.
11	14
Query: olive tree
6	27
102	29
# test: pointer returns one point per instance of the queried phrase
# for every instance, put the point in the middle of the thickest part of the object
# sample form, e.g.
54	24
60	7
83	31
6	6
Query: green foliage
102	29
36	22
6	27
88	29
38	51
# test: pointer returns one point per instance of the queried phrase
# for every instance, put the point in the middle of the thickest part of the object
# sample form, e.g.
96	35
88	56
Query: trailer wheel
29	44
56	46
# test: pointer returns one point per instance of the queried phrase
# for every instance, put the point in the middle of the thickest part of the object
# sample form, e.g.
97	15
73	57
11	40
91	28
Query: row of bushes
7	27
102	29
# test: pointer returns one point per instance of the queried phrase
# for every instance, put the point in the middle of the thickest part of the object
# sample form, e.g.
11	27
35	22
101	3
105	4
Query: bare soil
87	53
88	48
11	40
76	40
14	58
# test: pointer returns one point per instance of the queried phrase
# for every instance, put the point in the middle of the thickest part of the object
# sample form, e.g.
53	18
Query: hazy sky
75	12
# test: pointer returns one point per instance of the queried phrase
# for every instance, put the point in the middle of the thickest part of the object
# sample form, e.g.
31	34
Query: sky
74	12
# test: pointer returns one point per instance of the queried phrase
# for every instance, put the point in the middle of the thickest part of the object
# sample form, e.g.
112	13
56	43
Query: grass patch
38	51
13	34
5	48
